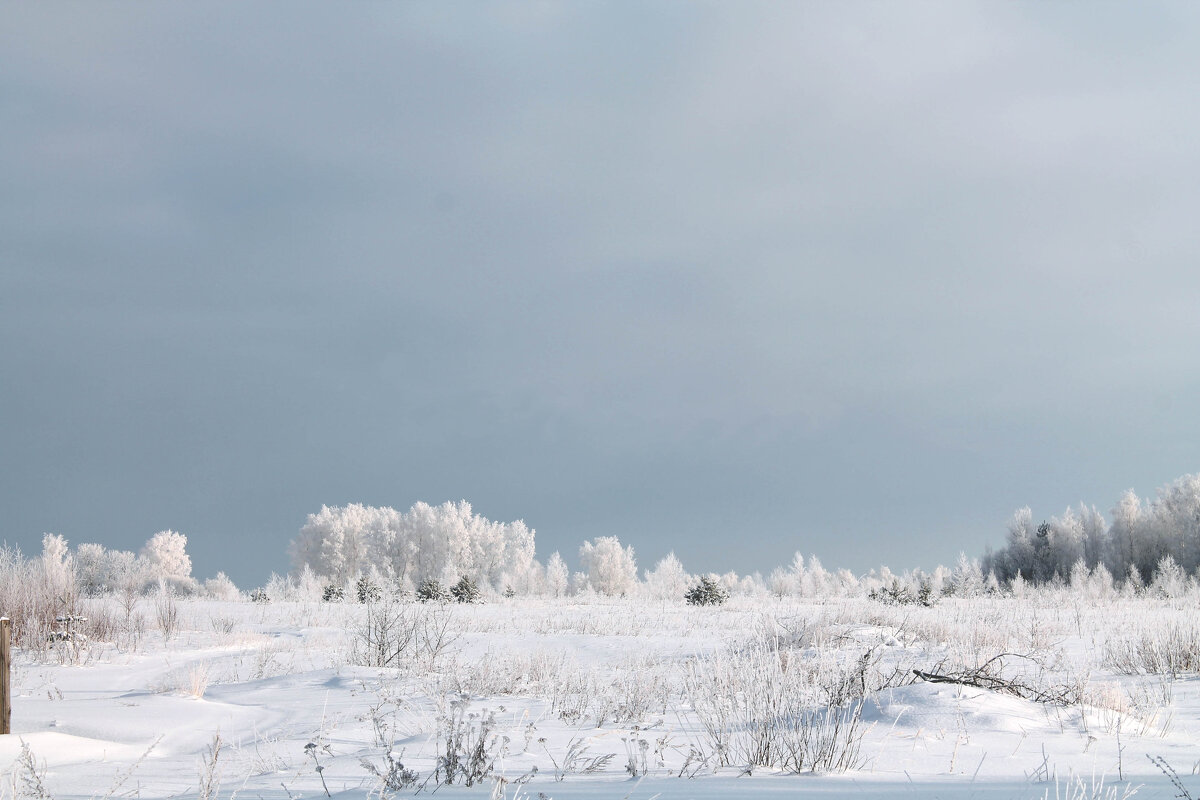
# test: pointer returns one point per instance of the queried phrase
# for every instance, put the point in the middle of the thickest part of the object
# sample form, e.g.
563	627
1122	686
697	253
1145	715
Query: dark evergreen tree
465	591
708	592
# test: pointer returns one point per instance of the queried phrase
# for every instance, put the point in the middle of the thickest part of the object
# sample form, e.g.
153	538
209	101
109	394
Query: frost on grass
392	697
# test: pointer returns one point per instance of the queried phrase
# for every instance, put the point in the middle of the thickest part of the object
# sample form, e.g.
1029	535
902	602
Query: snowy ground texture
619	699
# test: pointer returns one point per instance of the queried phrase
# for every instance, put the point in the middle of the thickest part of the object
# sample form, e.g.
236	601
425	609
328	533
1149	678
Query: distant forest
1144	536
358	550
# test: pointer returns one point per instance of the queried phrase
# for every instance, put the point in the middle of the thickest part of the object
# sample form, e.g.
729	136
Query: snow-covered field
613	699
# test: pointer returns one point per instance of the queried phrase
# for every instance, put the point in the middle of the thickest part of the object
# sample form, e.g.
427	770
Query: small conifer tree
465	591
431	590
708	592
367	591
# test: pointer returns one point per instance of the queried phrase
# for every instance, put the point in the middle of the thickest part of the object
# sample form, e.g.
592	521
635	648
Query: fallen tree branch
988	675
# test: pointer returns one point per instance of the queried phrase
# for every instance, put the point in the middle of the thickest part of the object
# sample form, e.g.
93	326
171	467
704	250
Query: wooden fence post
5	672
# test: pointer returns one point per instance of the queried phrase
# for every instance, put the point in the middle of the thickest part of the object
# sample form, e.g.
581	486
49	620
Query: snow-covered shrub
26	599
1168	649
302	587
221	588
166	613
333	593
259	596
759	708
387	636
708	592
396	634
611	568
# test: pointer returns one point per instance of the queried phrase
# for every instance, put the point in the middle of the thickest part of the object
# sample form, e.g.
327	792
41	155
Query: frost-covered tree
90	569
611	569
876	580
1079	577
967	579
58	571
816	581
343	542
782	582
708	592
1094	533
1141	535
425	543
558	577
1169	578
941	577
731	581
846	583
1134	585
1060	545
753	585
98	570
166	556
1100	584
1176	514
126	572
1017	557
668	580
801	579
796	574
1125	539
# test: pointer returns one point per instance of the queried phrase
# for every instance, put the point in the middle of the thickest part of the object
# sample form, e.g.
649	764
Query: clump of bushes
333	593
708	592
259	596
902	594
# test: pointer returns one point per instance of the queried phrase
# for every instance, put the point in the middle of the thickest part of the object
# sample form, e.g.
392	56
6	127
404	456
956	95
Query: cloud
700	258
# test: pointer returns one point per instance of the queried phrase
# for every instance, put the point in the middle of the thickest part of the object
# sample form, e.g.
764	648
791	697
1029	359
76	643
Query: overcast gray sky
732	280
